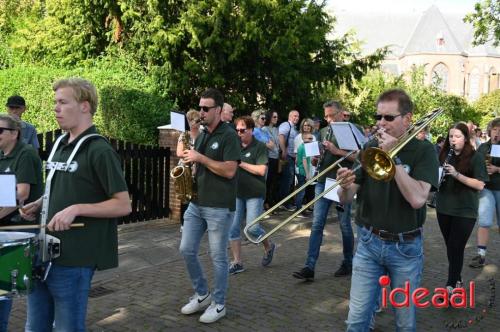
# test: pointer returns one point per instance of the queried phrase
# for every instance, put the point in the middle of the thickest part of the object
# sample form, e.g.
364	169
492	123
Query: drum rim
26	239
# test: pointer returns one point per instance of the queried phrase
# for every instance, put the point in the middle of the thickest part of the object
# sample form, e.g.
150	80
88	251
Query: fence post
168	139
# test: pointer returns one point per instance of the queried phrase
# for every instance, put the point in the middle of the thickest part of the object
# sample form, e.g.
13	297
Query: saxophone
182	175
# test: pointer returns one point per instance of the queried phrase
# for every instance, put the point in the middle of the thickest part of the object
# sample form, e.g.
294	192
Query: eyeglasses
275	116
207	109
2	130
388	118
263	119
241	130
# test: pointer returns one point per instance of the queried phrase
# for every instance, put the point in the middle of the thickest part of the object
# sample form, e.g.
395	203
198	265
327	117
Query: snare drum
17	254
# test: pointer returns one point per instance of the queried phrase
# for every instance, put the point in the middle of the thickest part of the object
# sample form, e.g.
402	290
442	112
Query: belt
394	237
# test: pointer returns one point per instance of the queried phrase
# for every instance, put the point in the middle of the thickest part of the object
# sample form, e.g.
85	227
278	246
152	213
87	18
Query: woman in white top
306	126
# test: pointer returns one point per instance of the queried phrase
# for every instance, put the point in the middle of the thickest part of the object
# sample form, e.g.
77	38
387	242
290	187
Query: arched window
440	76
492	79
474	78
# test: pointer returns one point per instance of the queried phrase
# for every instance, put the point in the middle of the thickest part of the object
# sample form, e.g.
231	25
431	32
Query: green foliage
129	109
489	107
360	99
486	21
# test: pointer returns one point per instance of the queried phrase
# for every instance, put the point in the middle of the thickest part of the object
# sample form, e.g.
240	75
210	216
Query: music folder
8	192
348	136
178	121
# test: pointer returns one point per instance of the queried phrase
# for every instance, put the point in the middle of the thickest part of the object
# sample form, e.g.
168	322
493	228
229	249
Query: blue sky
402	6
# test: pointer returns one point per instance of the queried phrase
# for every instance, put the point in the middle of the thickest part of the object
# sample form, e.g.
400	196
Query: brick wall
168	138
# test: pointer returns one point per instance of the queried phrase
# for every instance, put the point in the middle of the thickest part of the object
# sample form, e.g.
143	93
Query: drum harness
50	246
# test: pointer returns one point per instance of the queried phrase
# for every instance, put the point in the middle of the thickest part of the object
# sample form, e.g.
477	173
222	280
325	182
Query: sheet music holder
8	192
178	121
495	150
311	149
348	136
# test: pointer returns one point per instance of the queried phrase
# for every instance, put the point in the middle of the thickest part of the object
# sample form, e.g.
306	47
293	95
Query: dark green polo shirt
456	199
381	204
329	158
24	162
494	182
223	144
97	177
250	185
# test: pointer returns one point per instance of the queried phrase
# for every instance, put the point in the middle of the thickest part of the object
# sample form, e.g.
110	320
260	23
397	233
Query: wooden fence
146	172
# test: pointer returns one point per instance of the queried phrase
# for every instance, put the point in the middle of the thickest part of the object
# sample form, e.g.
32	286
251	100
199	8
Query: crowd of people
240	169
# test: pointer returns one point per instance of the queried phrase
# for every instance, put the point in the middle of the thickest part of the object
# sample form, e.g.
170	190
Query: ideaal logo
440	298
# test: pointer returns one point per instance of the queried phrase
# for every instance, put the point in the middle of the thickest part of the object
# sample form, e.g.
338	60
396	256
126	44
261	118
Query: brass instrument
183	176
376	162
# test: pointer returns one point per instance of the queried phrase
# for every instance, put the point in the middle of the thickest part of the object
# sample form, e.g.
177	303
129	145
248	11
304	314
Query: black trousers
456	232
272	182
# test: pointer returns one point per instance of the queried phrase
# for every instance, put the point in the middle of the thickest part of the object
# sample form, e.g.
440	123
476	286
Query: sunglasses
263	119
275	116
241	130
207	109
388	118
2	129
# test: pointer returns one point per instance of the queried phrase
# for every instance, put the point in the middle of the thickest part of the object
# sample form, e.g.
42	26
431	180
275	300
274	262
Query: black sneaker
305	274
343	271
477	262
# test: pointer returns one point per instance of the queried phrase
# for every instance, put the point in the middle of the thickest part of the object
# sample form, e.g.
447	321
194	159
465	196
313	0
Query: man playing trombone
334	112
389	215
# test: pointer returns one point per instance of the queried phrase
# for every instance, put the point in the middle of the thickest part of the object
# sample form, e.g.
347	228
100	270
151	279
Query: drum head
7	237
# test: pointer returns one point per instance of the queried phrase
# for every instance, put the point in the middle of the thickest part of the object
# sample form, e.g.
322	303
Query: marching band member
389	216
92	191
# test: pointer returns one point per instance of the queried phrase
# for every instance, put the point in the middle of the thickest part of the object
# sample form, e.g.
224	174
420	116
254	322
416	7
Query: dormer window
440	39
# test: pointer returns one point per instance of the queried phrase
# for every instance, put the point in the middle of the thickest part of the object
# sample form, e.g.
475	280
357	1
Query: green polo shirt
223	144
381	204
97	177
456	199
24	162
329	158
494	182
250	185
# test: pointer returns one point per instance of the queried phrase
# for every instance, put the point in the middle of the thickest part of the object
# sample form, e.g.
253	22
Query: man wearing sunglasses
22	160
390	216
216	154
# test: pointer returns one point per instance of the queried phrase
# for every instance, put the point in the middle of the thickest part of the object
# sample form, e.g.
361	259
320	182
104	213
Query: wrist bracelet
456	174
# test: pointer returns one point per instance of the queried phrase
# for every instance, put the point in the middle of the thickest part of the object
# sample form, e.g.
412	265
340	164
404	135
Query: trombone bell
378	164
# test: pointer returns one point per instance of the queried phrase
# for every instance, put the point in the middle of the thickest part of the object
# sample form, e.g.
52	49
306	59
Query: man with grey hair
287	133
227	113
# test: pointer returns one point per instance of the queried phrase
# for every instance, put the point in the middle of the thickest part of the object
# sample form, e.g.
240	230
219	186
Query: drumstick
15	227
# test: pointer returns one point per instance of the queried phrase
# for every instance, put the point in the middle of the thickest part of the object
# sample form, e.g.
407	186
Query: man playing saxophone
389	215
489	197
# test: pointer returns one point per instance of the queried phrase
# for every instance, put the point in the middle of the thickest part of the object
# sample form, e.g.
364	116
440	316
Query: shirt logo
248	154
7	170
407	168
215	146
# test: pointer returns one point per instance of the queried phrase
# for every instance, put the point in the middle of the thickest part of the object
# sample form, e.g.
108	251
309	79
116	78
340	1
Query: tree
486	22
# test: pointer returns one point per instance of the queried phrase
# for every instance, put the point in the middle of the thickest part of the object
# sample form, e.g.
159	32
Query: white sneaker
196	303
213	313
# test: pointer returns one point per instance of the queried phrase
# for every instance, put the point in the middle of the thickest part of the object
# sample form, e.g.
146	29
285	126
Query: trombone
376	162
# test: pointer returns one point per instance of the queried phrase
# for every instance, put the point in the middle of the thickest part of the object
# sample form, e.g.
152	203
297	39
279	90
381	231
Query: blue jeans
217	221
287	176
60	301
489	204
252	208
5	307
402	261
321	208
301	179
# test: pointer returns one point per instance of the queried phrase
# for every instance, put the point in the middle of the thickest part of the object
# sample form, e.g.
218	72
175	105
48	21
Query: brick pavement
146	292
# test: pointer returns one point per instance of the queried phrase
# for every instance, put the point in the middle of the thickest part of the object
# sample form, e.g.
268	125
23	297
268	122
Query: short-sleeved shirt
29	135
288	130
24	162
273	135
96	176
223	144
252	185
494	181
328	158
380	204
261	135
456	199
301	155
